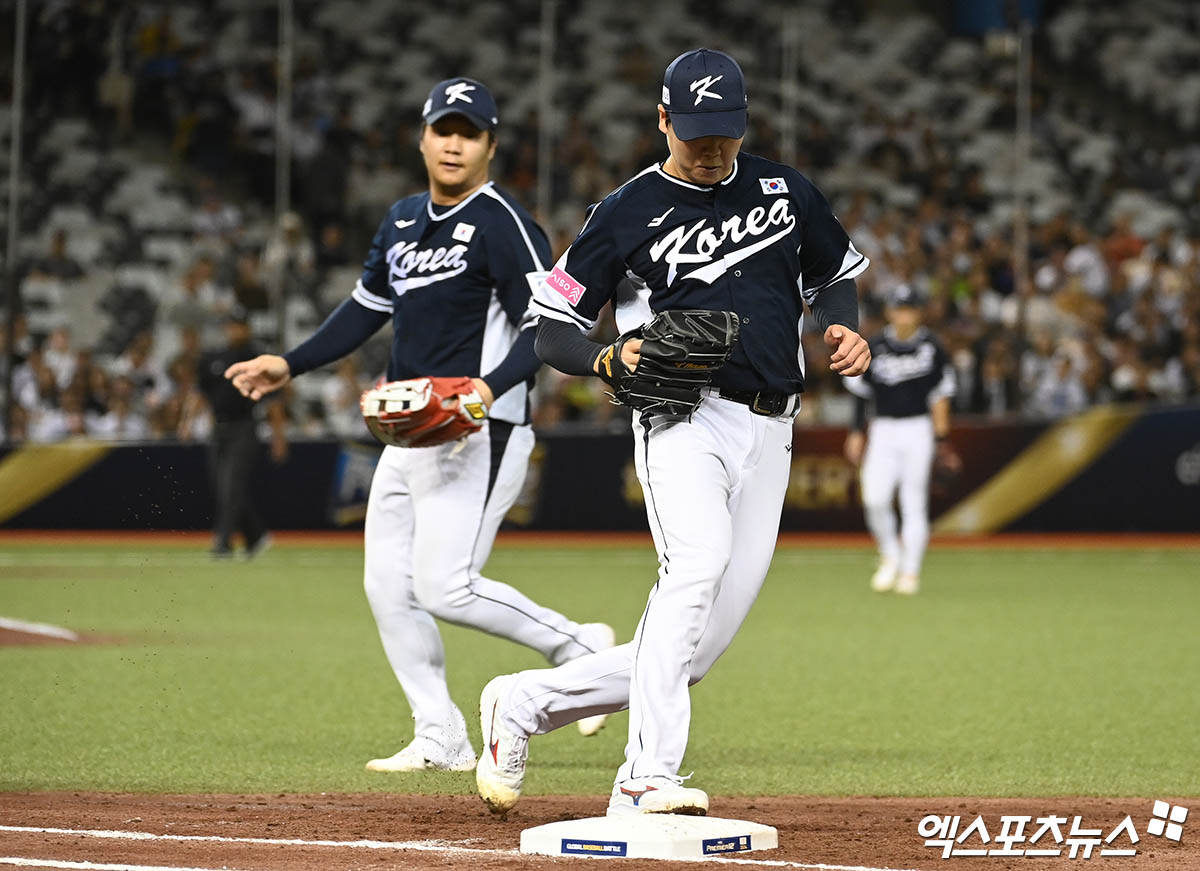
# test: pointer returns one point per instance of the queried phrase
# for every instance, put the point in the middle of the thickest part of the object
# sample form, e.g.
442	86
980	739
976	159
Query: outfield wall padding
1111	469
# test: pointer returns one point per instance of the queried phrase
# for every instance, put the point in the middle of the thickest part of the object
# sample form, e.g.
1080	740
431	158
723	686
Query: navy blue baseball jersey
760	243
454	281
905	376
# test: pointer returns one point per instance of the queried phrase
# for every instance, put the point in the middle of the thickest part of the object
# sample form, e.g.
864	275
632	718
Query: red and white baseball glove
423	412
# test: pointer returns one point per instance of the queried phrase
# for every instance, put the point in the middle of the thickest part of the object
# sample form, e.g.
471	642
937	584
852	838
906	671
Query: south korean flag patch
773	185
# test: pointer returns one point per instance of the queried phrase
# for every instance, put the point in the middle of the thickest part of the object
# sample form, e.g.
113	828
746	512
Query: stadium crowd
146	214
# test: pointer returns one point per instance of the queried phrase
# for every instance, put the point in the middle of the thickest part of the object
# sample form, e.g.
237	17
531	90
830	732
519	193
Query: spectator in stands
158	72
932	215
212	119
997	391
183	413
290	259
93	381
198	301
57	263
28	379
73	412
20	426
1121	243
377	175
331	248
249	289
137	366
1086	261
339	399
254	99
215	217
122	421
46	422
1060	390
325	178
59	357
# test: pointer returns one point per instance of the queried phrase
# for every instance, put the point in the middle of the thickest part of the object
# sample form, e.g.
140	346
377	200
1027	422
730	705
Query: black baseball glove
681	351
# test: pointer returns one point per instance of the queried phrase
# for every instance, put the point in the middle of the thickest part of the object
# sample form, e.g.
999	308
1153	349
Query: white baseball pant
432	517
899	455
714	491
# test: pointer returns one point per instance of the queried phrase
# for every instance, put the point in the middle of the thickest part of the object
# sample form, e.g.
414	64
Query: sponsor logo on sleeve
565	286
773	185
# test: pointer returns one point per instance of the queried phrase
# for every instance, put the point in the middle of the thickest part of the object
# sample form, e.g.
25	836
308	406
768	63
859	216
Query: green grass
1015	672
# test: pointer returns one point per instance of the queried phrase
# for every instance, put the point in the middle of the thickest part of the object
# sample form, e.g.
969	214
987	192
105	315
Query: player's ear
664	121
491	135
421	138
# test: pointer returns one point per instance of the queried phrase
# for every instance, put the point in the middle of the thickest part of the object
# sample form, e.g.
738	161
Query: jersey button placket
720	218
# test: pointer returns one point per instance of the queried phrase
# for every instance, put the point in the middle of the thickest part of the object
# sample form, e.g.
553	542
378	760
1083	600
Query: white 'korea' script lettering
403	259
705	241
894	368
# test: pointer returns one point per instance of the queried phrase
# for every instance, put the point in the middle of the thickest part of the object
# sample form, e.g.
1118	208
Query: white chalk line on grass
30	628
23	862
416	846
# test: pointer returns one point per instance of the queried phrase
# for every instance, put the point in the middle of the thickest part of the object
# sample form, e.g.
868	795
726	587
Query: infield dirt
457	832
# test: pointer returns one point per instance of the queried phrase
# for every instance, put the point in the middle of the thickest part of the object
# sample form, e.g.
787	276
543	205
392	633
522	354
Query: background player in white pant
713	229
911	381
448	268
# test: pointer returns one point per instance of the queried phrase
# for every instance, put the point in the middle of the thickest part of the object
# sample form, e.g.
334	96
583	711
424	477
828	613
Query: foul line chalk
22	862
37	629
418	846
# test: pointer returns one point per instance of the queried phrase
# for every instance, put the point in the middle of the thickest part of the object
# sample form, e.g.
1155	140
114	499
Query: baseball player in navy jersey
448	269
911	381
708	228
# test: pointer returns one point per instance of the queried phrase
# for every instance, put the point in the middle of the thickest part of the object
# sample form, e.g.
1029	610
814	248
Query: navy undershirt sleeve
837	304
348	327
860	414
565	347
520	364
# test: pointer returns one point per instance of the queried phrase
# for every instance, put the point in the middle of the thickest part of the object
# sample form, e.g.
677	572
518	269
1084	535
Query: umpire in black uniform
234	449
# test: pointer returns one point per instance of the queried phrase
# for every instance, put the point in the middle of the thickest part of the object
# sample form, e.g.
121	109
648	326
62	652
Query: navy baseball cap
704	94
903	295
462	96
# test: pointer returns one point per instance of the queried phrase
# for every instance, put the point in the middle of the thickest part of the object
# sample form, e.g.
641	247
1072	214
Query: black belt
761	402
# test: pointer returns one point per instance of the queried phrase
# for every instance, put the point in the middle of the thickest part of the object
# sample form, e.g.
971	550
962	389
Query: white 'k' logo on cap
701	87
458	91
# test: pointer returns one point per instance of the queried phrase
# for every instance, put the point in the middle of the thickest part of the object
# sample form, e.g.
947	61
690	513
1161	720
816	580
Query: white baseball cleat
602	637
501	770
660	794
908	584
884	578
428	754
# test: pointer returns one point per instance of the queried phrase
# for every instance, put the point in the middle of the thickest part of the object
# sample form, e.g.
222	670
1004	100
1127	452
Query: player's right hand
256	378
853	449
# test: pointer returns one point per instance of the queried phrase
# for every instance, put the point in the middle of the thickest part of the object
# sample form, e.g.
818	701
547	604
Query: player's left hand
851	353
484	391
